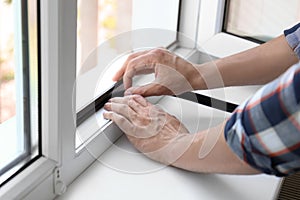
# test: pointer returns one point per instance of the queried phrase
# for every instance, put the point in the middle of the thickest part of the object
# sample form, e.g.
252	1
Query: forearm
258	65
215	156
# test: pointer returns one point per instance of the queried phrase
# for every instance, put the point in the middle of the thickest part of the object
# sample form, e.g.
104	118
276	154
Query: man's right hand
173	75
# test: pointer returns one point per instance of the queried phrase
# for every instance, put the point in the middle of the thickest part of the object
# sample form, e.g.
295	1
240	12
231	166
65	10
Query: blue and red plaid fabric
264	131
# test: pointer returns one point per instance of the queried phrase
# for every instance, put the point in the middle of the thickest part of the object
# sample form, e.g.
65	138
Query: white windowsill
26	182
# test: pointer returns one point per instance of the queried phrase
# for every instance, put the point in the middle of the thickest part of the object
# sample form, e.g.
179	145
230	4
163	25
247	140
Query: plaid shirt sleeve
264	131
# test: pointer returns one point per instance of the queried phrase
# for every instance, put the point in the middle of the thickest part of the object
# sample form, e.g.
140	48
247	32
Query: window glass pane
9	138
261	19
7	71
100	20
18	85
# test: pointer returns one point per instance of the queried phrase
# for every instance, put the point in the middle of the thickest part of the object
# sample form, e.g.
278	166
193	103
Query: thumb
151	89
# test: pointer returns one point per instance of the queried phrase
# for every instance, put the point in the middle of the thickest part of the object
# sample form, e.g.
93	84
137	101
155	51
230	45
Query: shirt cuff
292	36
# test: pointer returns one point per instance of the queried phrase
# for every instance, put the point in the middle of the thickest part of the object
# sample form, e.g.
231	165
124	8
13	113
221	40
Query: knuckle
134	116
131	56
120	119
159	52
126	75
131	102
125	108
131	64
131	98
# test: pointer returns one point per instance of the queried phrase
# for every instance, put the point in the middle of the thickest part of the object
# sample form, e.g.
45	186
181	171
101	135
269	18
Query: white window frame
58	59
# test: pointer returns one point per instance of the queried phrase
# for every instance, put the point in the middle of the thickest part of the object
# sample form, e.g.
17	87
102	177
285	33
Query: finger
122	100
151	89
119	74
122	70
135	106
123	123
121	109
143	64
138	104
134	55
141	100
137	70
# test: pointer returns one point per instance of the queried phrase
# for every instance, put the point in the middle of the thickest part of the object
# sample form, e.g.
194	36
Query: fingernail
106	105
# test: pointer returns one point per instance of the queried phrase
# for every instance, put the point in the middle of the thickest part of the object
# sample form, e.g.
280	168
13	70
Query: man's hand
173	75
151	130
163	138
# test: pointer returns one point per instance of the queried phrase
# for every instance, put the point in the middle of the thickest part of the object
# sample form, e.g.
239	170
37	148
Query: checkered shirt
264	131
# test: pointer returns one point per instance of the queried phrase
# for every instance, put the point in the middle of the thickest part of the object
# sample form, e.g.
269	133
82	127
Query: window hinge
59	185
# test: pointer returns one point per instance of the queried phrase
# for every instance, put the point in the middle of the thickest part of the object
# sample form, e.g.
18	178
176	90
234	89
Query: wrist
209	76
197	78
